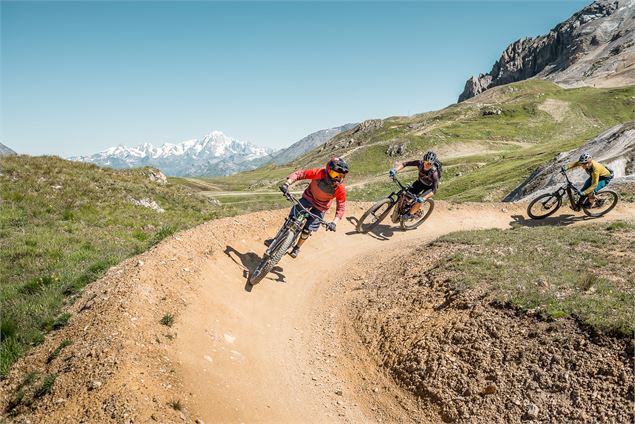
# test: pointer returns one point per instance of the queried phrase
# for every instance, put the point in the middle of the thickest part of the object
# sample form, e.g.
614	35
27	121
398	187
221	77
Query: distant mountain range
5	151
215	154
307	144
595	47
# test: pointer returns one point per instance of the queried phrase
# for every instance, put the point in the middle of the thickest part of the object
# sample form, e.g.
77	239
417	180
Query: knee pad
305	234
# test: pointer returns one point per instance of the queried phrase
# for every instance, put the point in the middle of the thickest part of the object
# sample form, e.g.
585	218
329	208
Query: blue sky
78	77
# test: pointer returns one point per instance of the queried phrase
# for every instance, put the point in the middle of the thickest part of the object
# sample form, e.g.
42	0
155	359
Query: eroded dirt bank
469	359
282	352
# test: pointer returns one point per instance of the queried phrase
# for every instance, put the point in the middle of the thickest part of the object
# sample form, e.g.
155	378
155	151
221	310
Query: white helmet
584	158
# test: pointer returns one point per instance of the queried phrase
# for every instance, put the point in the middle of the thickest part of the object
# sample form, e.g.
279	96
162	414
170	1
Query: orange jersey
322	190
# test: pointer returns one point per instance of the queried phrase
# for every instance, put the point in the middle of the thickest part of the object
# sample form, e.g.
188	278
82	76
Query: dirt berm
286	351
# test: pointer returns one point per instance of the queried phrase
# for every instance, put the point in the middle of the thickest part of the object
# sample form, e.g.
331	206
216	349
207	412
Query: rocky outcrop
614	148
156	176
366	126
396	150
146	203
596	46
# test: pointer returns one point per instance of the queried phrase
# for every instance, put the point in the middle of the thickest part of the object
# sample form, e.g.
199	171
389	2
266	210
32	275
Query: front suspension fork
571	199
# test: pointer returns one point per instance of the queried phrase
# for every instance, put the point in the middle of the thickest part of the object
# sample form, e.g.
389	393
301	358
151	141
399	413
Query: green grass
64	343
63	225
177	405
167	320
45	387
485	176
584	272
32	387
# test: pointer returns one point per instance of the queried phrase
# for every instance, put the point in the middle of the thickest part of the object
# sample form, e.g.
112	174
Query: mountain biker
427	183
326	185
599	177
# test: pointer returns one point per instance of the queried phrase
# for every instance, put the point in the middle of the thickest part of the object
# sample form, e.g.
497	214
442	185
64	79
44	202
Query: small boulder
490	389
532	411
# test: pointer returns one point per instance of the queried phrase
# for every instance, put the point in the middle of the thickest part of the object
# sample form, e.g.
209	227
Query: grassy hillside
62	224
488	144
585	272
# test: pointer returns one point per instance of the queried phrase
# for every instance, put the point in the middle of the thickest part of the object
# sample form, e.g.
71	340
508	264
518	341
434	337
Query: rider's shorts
603	182
418	187
311	224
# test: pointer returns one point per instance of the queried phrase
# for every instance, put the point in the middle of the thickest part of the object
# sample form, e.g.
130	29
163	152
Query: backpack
439	167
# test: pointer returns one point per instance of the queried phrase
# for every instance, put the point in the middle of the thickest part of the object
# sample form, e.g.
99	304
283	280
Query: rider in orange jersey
326	185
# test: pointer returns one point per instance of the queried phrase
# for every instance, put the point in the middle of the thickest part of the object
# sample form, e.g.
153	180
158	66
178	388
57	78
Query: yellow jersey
596	171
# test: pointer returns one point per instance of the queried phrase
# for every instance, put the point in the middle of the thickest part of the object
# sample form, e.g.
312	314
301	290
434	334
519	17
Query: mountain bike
548	203
287	236
400	203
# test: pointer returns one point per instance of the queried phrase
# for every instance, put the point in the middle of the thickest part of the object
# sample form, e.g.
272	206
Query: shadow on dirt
248	262
561	220
381	232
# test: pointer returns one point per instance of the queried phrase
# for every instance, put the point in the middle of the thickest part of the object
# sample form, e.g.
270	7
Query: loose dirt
468	358
284	351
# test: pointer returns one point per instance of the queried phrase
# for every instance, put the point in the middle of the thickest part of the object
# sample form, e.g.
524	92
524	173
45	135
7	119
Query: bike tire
363	226
550	211
614	198
420	221
268	263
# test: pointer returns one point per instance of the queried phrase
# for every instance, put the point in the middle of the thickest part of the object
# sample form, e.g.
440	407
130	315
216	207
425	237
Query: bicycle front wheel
374	215
281	245
605	200
543	206
422	214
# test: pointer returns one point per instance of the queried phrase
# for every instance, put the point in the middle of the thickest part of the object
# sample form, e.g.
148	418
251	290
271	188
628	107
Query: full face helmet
336	169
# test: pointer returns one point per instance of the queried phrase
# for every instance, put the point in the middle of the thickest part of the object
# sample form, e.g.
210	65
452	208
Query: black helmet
584	158
336	168
429	156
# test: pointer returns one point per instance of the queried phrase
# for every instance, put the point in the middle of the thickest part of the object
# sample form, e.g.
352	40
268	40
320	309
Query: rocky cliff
595	47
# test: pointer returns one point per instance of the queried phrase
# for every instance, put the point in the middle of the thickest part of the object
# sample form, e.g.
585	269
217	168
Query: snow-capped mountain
214	154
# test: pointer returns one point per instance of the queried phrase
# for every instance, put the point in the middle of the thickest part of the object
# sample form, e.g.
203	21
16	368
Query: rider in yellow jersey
599	177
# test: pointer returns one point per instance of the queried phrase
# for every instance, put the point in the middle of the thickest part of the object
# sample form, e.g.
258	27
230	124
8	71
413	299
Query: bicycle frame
568	189
403	193
295	224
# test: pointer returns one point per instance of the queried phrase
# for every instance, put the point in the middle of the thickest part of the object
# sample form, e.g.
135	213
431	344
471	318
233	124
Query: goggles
338	176
427	163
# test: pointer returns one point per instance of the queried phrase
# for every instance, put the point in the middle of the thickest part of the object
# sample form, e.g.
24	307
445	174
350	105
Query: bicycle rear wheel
280	248
422	214
543	206
374	215
605	200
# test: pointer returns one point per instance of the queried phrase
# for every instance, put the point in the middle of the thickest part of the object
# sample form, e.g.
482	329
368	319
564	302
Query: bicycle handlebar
403	187
566	177
396	180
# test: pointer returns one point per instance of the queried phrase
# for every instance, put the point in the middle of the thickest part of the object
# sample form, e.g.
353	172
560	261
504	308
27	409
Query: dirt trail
280	353
242	352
